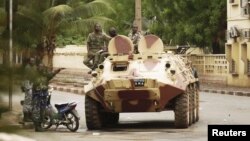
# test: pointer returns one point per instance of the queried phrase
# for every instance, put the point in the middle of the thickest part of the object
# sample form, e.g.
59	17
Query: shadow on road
145	126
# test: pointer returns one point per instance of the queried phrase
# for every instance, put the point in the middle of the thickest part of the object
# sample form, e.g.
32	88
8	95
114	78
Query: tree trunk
51	45
50	59
52	3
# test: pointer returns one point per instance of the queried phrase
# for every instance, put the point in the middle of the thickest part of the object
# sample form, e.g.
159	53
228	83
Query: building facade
238	42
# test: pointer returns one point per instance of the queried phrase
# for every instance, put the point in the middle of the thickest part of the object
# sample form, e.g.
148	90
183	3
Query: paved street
214	109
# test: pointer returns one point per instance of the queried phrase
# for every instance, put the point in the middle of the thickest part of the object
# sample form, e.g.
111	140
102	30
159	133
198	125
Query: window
246	10
247	34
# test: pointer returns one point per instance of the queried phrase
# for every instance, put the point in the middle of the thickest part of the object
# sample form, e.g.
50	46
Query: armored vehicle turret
151	81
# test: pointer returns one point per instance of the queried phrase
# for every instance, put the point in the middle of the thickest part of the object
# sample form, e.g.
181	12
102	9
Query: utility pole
138	14
10	52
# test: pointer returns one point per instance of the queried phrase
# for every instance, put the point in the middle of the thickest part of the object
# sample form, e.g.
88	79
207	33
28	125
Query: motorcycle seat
58	106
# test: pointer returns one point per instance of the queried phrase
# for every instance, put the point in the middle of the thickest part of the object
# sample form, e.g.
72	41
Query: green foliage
63	40
197	22
35	19
2	18
2	2
124	17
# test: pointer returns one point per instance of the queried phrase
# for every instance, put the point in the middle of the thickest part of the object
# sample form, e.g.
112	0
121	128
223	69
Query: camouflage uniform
135	37
30	73
40	95
39	104
105	53
27	103
96	43
39	77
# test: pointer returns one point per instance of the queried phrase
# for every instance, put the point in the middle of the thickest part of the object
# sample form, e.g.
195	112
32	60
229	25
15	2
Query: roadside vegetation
39	26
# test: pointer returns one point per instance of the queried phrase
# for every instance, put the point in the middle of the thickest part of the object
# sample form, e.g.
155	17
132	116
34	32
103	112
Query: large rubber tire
74	120
181	111
190	93
94	118
193	100
197	100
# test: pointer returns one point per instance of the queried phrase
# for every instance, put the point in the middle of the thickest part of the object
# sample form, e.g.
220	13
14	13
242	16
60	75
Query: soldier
104	54
26	87
134	35
40	94
195	73
96	43
112	32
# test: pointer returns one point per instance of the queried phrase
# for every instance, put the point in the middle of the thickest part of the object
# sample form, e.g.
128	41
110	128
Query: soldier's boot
38	127
92	69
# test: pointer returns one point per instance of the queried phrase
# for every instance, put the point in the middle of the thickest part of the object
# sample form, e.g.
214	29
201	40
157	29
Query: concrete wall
71	56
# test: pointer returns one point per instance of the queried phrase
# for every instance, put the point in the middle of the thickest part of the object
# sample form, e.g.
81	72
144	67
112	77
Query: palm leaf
94	8
31	16
84	26
57	13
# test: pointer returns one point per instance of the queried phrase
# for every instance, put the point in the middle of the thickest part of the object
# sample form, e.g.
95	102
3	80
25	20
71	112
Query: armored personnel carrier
151	81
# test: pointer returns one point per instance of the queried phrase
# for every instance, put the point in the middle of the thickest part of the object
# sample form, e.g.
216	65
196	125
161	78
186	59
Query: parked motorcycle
65	114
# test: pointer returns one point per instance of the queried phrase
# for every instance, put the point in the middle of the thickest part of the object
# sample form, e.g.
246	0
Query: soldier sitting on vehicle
96	44
104	54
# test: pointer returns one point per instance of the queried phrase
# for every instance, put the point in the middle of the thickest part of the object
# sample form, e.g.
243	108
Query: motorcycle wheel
73	124
46	124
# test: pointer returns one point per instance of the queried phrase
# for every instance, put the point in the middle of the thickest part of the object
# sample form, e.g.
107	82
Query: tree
197	22
37	23
125	16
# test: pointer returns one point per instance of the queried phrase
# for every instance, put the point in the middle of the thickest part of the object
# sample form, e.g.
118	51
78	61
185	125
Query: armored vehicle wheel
93	115
197	104
181	111
194	104
191	104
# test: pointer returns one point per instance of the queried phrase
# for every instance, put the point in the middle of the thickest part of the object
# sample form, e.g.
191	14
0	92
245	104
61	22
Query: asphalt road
214	109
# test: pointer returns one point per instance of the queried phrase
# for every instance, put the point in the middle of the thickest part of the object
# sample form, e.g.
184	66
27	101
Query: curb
75	90
235	93
80	91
